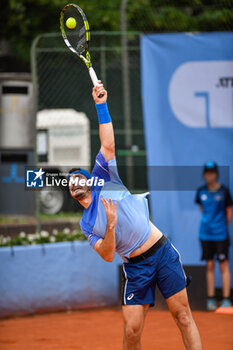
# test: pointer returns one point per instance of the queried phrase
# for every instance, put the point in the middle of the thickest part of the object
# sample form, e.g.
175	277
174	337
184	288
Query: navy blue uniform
213	226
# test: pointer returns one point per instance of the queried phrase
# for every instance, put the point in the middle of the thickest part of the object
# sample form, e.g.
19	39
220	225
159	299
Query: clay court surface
102	329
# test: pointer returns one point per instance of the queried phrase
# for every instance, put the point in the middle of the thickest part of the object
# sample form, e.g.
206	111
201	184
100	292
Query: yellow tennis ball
71	23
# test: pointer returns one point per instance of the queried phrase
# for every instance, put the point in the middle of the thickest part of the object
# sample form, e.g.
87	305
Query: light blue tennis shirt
133	225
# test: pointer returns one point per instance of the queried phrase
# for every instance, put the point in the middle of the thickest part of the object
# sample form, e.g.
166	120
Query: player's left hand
97	90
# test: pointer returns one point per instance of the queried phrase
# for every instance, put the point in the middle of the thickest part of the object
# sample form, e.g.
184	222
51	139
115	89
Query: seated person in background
215	203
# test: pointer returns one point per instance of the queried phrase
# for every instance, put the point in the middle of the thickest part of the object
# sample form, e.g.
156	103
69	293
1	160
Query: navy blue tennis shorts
163	268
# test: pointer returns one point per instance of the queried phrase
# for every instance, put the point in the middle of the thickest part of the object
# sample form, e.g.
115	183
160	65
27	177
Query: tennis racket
78	38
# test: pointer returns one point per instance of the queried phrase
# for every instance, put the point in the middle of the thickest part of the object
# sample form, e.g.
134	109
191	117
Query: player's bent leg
133	316
179	307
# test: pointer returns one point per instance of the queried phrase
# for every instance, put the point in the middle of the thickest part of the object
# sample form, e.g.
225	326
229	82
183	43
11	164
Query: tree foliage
22	20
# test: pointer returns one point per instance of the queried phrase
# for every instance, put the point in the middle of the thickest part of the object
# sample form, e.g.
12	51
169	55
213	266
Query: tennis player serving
114	220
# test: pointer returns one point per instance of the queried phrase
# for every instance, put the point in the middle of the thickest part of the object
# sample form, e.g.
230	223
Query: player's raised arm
106	133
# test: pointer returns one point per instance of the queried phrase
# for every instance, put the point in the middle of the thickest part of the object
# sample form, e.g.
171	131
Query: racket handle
94	78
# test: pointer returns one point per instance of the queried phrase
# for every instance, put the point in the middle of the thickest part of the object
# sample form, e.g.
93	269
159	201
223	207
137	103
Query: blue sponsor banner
187	90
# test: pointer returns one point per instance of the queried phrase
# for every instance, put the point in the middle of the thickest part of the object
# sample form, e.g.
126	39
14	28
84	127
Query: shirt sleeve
101	168
106	170
228	200
197	198
92	238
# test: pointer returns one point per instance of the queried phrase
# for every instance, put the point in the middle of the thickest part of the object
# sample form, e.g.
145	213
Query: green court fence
61	80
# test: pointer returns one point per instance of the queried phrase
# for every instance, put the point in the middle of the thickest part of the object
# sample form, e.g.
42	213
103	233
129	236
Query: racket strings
77	36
